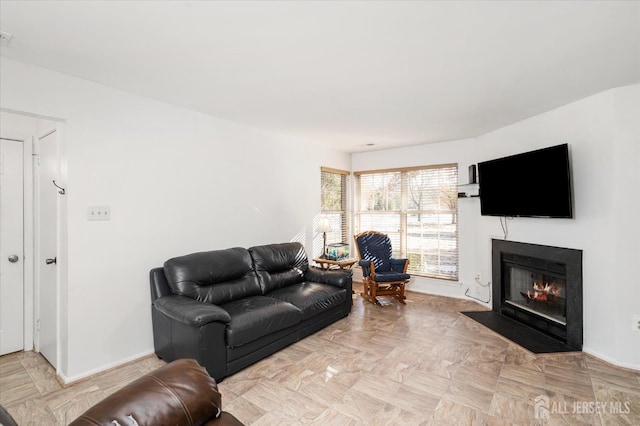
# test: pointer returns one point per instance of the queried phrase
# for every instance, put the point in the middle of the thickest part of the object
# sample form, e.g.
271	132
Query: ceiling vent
5	38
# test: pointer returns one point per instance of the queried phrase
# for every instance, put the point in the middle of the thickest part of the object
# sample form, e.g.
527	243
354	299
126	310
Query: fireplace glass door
541	293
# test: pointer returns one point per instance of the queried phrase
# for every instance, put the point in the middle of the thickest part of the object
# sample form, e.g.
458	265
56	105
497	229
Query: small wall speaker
473	174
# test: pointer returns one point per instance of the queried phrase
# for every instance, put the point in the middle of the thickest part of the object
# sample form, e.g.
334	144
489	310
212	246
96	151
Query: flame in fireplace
543	292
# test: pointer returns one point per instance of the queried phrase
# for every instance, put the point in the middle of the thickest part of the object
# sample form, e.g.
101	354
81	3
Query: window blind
333	203
417	208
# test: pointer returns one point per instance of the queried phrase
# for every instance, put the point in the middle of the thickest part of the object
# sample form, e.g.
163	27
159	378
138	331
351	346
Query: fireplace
540	287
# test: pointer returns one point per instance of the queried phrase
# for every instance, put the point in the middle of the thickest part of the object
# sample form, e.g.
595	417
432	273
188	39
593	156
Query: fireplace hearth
540	287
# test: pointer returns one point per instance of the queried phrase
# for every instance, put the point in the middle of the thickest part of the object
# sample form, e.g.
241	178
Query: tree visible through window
417	208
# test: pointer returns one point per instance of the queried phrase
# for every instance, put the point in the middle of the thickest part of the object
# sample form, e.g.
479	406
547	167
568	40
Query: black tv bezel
569	183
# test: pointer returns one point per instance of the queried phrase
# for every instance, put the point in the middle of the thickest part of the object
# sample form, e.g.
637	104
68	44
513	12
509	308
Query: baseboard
436	287
432	286
608	360
68	381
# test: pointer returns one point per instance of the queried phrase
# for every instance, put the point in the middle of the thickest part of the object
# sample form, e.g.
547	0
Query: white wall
177	181
603	133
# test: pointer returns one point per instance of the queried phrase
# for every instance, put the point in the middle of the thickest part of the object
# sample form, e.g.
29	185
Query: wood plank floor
423	363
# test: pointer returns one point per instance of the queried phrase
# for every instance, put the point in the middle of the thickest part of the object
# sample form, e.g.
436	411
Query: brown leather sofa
179	393
5	418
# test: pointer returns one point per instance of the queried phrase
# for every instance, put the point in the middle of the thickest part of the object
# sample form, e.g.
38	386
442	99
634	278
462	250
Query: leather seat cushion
257	316
385	277
279	265
311	298
216	277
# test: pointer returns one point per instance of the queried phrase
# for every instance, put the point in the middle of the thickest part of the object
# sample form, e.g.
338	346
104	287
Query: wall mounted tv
532	184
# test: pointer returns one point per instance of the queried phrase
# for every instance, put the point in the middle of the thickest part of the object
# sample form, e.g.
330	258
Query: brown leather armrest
179	393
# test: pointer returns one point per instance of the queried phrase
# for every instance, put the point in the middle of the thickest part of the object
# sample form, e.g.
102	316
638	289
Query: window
417	207
333	203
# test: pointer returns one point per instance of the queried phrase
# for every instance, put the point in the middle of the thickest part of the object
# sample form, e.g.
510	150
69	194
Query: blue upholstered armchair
382	274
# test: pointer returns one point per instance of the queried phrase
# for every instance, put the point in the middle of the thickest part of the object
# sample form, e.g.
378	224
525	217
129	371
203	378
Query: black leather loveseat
230	308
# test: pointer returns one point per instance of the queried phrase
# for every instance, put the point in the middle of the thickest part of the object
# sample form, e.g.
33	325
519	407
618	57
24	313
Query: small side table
337	264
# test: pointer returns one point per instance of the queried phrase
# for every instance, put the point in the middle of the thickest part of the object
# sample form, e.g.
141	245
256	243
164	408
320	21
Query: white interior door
47	235
11	246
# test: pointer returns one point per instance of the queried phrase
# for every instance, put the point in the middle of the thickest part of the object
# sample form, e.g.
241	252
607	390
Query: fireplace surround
540	287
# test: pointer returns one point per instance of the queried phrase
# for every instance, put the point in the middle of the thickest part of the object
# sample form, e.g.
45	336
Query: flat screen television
532	184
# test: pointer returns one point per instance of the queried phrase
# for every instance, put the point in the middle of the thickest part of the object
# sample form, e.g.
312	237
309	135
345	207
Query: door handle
13	258
50	261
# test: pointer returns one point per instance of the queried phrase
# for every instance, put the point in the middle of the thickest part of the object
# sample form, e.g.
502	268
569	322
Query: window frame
325	212
403	213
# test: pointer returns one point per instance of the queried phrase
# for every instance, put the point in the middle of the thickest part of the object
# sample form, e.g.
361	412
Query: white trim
27	237
47	133
32	294
610	360
29	247
70	380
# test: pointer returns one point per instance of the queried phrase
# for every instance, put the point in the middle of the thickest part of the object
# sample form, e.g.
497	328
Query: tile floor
423	363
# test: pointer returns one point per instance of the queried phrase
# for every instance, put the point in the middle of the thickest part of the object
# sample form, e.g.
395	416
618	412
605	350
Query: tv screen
532	184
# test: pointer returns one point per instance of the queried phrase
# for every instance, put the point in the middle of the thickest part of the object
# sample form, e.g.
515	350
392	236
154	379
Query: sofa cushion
279	265
178	393
311	298
387	277
216	277
257	316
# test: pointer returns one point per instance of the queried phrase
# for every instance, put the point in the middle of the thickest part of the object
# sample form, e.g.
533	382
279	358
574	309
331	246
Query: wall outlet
99	213
636	323
478	276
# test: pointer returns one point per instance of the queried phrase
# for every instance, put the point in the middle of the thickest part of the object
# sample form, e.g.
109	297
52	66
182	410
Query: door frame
28	241
38	256
32	294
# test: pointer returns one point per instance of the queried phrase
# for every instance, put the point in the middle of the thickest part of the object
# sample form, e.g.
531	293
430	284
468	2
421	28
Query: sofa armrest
159	285
336	277
367	266
191	312
178	393
399	265
5	418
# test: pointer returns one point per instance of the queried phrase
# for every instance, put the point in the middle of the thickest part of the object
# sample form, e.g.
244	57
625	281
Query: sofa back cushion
217	277
279	265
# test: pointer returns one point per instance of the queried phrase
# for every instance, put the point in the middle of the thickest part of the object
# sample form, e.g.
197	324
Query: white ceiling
340	74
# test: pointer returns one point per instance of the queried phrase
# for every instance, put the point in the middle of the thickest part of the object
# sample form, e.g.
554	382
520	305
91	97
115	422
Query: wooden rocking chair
382	274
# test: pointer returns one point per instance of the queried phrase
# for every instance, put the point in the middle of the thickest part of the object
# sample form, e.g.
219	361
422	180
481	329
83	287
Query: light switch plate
99	213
